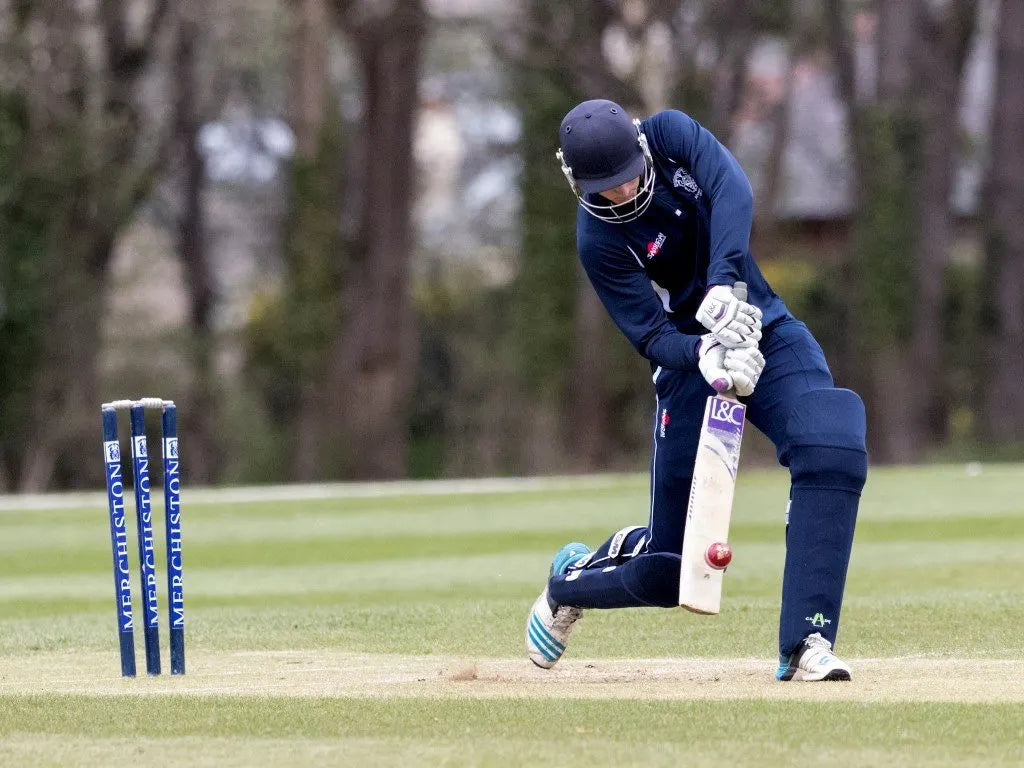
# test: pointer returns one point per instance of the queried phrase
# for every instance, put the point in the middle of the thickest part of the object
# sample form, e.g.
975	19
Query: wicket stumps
144	527
172	527
119	542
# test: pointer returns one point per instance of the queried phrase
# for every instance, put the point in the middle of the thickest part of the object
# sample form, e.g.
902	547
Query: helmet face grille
627	211
624	212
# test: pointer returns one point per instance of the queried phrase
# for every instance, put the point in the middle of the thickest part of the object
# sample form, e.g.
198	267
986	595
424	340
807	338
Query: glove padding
724	368
733	322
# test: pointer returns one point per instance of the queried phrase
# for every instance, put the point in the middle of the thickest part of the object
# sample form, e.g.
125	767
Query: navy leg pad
825	440
653	579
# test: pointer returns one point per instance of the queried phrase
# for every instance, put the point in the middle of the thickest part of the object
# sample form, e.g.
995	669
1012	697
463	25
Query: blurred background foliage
334	230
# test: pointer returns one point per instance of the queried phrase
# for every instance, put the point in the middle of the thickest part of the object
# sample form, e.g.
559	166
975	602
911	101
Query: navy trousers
818	432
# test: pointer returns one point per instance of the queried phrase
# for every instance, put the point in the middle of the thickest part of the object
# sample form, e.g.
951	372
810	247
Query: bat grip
739	290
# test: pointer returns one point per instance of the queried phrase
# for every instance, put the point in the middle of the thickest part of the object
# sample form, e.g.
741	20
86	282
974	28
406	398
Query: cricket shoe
813	660
549	625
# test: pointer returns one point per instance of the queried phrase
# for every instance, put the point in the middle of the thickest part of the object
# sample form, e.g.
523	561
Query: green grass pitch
383	625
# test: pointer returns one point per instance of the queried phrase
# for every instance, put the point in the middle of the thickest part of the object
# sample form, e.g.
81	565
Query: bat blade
710	506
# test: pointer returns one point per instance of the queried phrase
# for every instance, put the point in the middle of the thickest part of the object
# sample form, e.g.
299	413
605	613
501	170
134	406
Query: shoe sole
799	676
837	674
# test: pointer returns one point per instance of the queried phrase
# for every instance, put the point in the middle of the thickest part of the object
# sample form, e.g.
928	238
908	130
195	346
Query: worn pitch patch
318	673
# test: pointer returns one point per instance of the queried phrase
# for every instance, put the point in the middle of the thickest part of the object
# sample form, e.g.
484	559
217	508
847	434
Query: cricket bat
706	552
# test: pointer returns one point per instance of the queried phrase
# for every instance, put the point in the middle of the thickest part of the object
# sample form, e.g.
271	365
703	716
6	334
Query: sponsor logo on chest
653	248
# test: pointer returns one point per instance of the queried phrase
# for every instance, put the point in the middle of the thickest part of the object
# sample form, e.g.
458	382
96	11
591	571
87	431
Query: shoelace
817	641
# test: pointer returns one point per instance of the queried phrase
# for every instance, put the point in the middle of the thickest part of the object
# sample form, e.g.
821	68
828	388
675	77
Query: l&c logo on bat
727	411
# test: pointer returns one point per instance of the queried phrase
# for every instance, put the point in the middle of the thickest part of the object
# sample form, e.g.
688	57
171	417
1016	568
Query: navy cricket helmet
602	148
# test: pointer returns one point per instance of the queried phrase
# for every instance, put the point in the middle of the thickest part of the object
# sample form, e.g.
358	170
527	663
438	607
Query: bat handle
739	290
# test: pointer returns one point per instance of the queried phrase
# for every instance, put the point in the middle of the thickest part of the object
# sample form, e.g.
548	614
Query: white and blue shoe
549	625
813	660
572	555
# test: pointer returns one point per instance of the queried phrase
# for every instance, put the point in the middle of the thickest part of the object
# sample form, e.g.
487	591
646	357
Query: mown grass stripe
87	551
967	727
314	492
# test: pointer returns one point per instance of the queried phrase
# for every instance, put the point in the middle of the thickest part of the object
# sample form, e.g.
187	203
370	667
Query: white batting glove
744	365
724	369
711	362
734	323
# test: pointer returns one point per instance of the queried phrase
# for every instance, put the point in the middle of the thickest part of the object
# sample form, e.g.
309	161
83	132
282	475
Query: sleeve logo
682	179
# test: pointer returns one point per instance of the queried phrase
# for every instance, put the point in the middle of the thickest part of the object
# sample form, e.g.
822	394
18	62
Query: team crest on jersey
681	178
653	248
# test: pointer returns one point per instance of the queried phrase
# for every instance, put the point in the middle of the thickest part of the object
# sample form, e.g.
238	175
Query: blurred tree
544	291
374	344
334	355
945	34
795	23
903	141
203	450
1003	286
735	27
732	30
290	336
559	330
82	148
314	253
25	194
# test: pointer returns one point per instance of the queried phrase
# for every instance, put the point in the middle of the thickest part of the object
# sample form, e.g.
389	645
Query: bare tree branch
1004	237
343	12
842	45
963	20
733	34
156	22
124	59
114	33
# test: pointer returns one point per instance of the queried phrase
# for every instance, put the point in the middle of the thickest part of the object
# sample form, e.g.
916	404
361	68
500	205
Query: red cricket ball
718	555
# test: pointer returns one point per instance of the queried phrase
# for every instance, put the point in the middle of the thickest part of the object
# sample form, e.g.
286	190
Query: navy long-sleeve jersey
652	273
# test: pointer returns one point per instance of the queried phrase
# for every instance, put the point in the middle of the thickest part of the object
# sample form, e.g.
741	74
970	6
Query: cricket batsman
663	231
